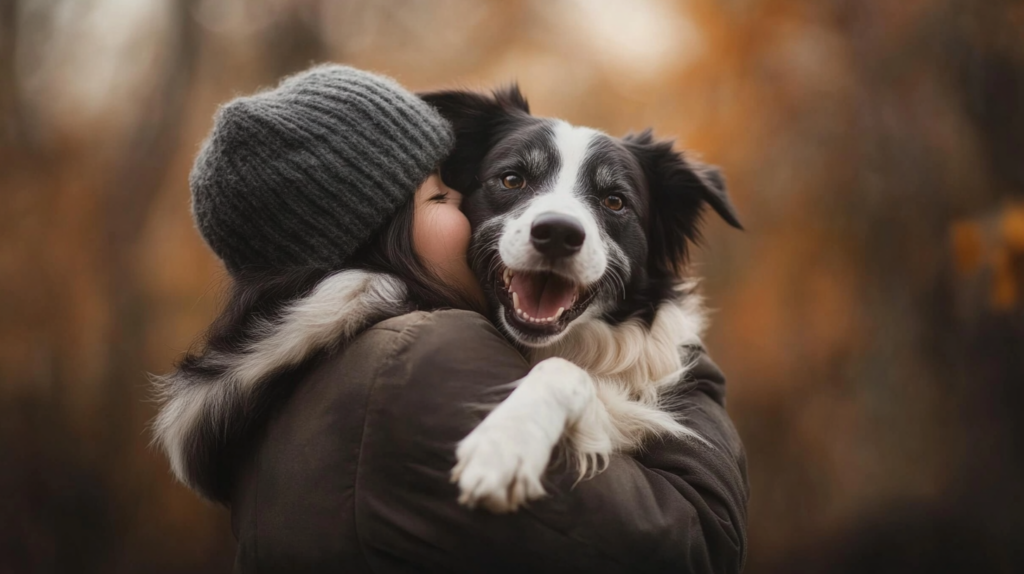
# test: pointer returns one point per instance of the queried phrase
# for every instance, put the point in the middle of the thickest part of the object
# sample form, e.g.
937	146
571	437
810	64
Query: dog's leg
629	421
501	462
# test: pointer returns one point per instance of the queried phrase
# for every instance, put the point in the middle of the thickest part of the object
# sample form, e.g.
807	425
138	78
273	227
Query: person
347	468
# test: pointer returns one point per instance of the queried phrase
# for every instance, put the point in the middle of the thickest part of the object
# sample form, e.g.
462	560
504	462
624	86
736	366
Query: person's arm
679	506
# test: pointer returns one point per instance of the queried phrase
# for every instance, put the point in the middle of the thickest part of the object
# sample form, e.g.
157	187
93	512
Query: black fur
678	188
478	121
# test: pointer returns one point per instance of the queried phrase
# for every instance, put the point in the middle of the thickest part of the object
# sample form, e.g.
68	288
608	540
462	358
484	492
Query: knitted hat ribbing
304	174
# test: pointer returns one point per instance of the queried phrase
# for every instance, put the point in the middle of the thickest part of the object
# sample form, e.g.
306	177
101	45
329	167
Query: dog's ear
679	188
511	99
476	119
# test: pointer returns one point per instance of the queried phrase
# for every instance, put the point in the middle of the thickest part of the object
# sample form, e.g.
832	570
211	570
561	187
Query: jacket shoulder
314	458
432	320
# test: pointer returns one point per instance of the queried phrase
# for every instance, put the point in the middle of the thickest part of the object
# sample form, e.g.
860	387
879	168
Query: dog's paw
500	466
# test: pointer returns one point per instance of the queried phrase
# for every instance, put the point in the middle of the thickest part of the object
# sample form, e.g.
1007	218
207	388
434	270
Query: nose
556	235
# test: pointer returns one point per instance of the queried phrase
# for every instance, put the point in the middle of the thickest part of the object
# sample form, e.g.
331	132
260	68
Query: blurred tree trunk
10	116
135	182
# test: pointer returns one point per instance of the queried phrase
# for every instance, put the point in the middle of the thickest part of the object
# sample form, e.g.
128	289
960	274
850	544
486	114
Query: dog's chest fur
633	355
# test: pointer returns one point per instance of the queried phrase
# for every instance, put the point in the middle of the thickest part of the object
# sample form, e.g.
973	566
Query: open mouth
540	303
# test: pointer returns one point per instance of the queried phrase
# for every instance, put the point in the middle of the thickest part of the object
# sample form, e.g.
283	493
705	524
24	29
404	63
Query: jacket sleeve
678	507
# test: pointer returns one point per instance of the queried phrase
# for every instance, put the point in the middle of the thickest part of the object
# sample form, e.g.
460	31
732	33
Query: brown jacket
352	474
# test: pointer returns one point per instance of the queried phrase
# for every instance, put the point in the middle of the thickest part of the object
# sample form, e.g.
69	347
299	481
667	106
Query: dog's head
570	223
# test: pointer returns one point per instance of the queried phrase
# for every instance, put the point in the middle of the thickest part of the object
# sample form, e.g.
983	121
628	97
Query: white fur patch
337	310
563	197
630	352
573	143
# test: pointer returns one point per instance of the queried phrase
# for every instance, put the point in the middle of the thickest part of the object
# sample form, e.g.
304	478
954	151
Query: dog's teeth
559	313
507	276
515	300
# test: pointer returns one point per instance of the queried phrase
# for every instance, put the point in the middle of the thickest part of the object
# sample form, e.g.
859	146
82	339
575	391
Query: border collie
580	241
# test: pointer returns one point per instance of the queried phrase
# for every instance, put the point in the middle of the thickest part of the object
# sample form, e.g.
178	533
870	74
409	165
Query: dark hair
261	294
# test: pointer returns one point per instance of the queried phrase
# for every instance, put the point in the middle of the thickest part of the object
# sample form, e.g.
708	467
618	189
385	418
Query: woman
345	467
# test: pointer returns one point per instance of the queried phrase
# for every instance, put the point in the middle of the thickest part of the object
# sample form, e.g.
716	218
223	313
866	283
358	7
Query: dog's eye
614	202
512	180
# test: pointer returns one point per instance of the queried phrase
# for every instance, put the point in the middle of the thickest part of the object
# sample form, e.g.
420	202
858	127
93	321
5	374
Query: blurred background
870	320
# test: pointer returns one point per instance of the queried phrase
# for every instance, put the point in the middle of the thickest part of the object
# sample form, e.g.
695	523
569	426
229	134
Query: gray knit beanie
303	175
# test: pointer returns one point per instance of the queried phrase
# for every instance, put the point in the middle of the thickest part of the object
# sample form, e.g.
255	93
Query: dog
580	242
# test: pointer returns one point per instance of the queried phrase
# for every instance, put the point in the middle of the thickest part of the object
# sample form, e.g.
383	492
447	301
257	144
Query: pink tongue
541	294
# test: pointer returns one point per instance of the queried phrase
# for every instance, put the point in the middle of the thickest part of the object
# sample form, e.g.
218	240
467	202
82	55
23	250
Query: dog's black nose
557	235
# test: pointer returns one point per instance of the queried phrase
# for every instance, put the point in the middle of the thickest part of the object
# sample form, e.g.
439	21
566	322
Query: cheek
441	235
